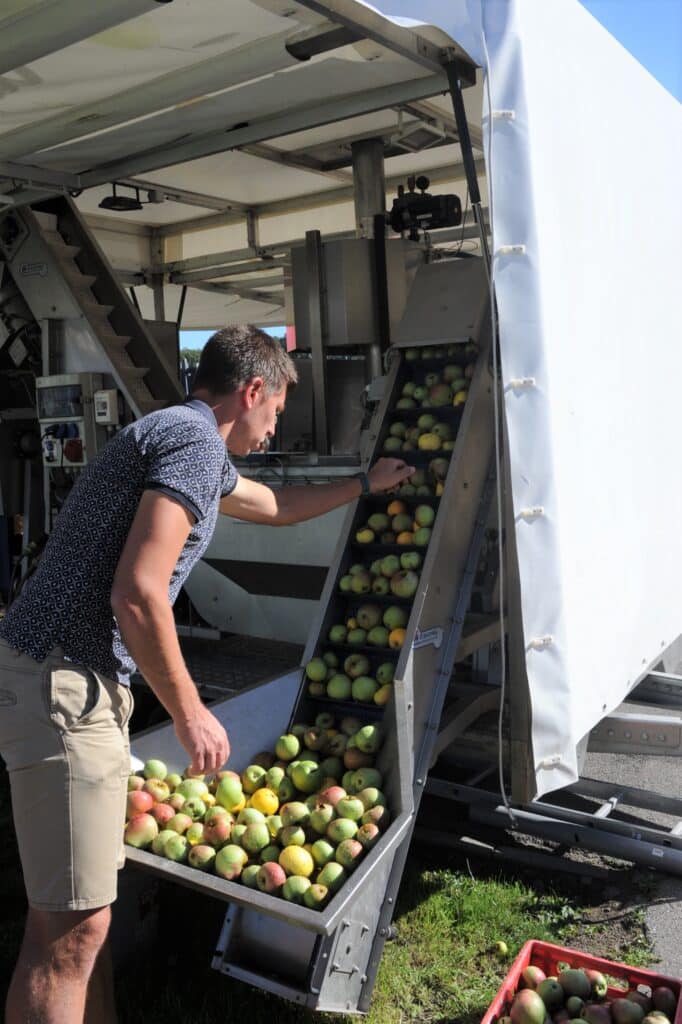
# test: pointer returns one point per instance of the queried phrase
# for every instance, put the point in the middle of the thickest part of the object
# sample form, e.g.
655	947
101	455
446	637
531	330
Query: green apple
381	586
424	515
364	688
368	616
345	583
404	583
357	637
356	665
422	536
410	560
378	636
390	565
384	674
316	670
338	633
394	617
339	687
362	582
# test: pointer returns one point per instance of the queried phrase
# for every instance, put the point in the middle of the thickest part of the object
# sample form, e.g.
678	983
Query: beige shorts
64	739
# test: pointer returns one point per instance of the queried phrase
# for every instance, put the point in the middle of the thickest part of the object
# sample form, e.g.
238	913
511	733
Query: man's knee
71	939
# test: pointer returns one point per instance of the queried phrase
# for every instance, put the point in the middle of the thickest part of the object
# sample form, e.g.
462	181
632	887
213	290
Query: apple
331	659
337	635
229	861
159	841
339	687
378	521
253	777
424	515
394	617
378	636
287	747
404	584
381	586
397	429
362	582
426	422
356	665
345	583
368	616
155	769
384	674
177	848
410	560
364	688
356	637
365	535
368	739
390	565
316	669
141	831
422	536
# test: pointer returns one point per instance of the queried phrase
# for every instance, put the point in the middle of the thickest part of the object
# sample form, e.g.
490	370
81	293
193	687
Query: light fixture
121	204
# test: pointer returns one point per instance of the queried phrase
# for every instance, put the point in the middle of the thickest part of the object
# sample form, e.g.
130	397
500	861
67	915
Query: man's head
246	370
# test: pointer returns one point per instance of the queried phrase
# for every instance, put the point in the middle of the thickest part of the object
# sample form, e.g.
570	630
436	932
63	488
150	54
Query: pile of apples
352	680
296	822
397	525
577	995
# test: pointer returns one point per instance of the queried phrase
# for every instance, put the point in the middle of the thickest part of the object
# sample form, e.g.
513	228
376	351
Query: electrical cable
498	457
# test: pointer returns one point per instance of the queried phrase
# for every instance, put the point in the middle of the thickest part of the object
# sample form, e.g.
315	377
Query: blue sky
650	29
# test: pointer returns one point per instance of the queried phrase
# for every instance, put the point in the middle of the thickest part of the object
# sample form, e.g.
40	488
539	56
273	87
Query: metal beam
274	126
182	195
299	160
46	27
368	24
211	76
428	113
34	176
269	298
294	204
231	270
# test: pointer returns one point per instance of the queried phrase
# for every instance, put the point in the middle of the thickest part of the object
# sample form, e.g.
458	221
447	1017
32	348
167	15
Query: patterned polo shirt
66	603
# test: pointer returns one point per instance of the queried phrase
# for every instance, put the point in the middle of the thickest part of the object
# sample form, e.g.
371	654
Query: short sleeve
230	478
184	461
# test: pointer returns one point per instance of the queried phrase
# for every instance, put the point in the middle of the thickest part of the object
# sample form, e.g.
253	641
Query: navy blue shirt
67	602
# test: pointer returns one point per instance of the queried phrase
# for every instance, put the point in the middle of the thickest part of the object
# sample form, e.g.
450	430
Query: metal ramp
327	960
64	276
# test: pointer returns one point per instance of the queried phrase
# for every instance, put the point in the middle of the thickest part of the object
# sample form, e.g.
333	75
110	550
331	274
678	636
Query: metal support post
453	70
369	194
316	322
156	246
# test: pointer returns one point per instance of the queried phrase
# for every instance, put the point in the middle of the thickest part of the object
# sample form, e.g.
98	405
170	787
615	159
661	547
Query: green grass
441	967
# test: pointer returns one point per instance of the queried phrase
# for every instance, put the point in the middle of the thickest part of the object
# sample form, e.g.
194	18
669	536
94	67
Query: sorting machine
328	959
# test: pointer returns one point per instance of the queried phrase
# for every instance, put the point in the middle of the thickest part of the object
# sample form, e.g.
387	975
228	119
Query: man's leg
55	964
100	1007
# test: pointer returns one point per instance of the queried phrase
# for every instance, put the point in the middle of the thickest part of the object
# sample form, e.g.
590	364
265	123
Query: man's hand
388	474
205	740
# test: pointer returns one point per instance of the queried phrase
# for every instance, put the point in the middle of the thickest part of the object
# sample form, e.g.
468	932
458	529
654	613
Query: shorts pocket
73	694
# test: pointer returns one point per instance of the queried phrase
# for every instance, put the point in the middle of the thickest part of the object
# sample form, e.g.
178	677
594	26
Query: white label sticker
33	269
426	637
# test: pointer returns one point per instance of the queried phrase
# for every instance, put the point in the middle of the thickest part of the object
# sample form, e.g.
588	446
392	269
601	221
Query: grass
441	967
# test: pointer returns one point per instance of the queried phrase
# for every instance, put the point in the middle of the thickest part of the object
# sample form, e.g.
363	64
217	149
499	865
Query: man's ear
253	390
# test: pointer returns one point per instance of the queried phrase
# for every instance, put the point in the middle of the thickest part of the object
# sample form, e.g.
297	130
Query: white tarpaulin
583	163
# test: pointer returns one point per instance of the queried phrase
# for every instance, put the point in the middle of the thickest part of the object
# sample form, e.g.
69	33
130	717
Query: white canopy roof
231	116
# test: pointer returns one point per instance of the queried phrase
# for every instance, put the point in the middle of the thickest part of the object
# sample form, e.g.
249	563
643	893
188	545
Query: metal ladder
63	274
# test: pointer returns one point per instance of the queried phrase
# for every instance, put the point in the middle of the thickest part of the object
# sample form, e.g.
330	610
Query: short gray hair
235	355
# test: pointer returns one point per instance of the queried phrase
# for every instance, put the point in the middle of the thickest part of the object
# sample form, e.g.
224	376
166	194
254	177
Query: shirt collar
201	407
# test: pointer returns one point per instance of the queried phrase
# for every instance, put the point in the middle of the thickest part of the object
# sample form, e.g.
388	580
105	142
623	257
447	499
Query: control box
70	435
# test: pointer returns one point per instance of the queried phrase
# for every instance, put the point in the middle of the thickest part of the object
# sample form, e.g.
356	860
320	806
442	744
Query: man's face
256	425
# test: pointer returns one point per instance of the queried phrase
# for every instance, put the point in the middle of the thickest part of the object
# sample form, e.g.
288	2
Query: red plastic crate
546	956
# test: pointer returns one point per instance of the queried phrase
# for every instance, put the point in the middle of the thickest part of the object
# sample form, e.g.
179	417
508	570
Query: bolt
383	932
390	899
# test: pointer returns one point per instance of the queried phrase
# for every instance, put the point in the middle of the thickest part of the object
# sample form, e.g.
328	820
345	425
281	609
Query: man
100	603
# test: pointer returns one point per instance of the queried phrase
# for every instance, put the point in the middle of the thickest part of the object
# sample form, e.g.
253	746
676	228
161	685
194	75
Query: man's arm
139	599
257	503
